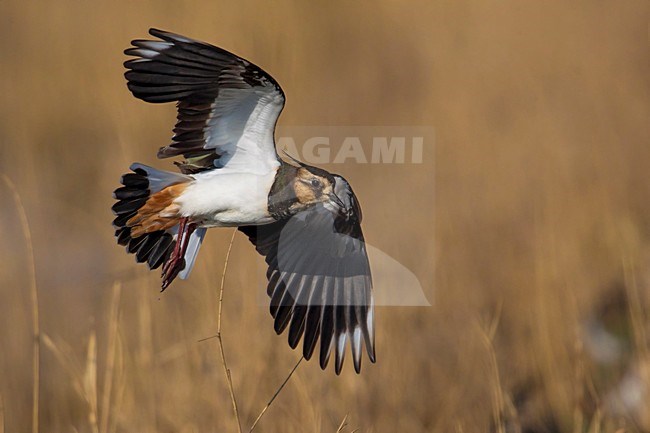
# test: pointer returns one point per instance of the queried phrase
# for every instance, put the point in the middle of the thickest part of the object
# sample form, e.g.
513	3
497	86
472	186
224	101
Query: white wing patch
241	129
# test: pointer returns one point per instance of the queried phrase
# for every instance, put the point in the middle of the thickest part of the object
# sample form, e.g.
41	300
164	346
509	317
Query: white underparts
227	198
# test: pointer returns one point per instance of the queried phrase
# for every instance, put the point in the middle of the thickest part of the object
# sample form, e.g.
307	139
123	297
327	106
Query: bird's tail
147	219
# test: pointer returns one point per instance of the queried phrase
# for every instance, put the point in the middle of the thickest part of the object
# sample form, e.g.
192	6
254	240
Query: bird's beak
335	199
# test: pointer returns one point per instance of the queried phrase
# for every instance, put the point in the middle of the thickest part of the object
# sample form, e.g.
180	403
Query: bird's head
313	185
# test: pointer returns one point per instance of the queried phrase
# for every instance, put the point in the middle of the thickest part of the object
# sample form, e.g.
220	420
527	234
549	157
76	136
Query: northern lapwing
305	221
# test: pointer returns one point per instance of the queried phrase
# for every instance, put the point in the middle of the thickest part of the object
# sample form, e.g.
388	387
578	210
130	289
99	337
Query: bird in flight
305	221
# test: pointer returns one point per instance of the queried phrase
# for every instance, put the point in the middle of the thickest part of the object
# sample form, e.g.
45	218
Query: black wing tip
324	360
308	350
294	338
166	35
151	45
338	366
176	38
371	354
132	51
159	33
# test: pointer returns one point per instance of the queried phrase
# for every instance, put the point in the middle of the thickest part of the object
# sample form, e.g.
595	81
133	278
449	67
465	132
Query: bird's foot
176	261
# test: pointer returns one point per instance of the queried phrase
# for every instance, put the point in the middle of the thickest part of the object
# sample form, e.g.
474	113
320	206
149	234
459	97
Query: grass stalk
487	337
343	424
275	395
110	357
2	415
90	382
226	370
33	292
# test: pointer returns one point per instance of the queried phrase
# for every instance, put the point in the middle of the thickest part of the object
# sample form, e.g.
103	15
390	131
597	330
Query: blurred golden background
527	223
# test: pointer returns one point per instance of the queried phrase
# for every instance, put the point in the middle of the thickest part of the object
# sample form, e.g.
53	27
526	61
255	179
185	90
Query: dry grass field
527	224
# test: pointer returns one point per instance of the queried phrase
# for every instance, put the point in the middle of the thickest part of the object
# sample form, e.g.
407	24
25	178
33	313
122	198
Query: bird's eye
315	183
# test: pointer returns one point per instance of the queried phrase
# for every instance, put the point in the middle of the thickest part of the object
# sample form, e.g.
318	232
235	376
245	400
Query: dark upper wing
319	281
227	106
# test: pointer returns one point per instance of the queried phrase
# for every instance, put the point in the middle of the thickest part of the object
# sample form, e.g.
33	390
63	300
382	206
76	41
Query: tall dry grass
530	212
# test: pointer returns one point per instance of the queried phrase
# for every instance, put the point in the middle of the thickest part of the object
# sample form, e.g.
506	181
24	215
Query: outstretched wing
319	281
227	106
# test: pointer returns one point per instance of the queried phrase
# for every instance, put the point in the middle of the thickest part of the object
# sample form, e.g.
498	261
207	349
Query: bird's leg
176	261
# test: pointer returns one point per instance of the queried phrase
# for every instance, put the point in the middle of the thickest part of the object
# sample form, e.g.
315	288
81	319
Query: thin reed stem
226	370
487	337
33	299
275	395
343	424
110	358
2	415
